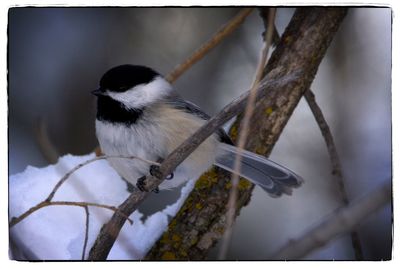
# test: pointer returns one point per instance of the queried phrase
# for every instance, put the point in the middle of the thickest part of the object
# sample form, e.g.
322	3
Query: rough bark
201	220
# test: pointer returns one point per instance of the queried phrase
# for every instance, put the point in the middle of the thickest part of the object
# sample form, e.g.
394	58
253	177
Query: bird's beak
98	92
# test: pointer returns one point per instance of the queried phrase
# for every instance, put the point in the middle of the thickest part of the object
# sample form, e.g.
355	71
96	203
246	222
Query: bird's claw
156	190
141	184
155	171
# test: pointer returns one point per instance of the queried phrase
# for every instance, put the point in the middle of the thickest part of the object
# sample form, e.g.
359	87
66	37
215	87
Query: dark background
57	55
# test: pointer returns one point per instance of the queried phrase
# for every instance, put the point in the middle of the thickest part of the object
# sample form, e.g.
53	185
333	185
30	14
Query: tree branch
268	22
225	30
341	221
336	166
201	220
243	134
79	166
326	133
86	232
16	220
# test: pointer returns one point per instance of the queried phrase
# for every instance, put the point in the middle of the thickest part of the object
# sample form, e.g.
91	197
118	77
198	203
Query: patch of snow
57	232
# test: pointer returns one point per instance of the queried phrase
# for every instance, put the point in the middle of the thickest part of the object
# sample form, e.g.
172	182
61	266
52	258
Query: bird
140	114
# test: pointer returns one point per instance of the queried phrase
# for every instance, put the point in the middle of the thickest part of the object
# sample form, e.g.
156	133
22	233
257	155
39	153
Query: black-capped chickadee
140	114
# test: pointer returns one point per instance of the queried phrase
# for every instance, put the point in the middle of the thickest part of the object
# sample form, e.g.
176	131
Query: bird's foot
156	172
141	184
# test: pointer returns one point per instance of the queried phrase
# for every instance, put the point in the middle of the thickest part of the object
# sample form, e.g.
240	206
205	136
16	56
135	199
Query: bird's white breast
157	133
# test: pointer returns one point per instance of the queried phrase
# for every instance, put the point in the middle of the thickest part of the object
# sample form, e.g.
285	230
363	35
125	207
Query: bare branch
86	232
243	134
326	133
70	172
341	221
336	166
110	231
268	22
16	220
225	30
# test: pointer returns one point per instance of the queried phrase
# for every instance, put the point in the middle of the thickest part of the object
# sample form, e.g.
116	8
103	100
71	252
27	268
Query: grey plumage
270	176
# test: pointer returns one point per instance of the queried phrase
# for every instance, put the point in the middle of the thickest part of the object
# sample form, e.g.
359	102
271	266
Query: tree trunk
201	220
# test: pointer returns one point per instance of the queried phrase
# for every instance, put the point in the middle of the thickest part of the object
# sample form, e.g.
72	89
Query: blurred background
56	56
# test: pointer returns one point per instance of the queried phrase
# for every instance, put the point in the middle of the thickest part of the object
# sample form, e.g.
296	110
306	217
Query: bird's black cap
124	77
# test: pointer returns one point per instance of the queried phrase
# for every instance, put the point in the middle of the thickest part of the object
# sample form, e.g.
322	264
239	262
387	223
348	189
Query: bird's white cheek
143	94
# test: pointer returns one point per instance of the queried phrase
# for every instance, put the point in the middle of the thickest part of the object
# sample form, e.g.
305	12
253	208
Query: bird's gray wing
272	177
178	102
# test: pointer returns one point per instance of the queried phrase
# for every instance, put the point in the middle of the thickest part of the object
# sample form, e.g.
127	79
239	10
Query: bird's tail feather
270	176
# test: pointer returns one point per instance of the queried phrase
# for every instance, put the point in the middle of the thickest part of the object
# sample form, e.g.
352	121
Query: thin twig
70	172
264	14
86	232
243	134
223	32
16	220
341	221
109	232
335	161
326	133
